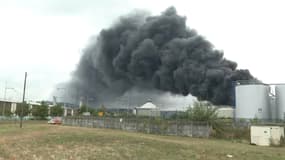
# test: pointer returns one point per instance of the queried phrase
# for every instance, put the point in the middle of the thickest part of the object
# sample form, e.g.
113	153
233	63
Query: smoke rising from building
155	52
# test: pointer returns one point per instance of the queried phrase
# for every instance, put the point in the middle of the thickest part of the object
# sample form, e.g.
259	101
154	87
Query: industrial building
148	109
260	101
7	108
225	112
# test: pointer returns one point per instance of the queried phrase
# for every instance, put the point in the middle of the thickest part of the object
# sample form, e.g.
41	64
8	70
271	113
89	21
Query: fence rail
152	126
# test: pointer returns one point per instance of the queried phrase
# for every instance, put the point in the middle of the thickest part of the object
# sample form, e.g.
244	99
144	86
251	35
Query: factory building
225	112
148	109
7	107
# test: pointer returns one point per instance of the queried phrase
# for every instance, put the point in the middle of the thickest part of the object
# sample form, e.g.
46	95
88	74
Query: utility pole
23	102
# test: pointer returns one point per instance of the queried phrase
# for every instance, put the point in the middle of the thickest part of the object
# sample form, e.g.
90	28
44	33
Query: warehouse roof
148	105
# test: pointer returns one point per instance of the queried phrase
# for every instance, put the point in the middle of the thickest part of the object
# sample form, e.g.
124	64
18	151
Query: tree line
39	111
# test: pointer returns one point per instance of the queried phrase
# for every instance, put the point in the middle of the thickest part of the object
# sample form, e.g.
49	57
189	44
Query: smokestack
155	52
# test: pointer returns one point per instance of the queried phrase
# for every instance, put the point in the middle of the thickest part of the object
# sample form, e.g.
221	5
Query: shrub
203	112
40	111
56	110
25	108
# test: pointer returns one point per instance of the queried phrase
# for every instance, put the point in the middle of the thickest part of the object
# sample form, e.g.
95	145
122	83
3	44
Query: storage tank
252	101
273	108
280	100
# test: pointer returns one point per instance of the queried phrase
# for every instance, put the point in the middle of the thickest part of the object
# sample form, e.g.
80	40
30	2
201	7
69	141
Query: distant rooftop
249	82
148	105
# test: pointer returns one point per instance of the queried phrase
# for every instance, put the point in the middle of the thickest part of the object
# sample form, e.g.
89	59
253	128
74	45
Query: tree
85	108
102	108
56	111
40	111
205	112
202	111
26	110
82	109
6	110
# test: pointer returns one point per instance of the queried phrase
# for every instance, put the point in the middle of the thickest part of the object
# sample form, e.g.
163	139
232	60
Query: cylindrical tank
273	108
252	101
280	100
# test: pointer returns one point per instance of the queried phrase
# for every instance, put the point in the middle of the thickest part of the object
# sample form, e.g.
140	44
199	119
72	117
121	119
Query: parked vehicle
55	120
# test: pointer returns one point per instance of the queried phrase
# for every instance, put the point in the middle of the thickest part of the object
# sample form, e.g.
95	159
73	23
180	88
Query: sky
47	37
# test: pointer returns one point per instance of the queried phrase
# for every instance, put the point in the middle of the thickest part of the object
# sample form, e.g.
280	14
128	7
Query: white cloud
47	47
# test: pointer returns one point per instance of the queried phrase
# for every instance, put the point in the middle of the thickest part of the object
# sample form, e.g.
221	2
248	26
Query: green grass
42	141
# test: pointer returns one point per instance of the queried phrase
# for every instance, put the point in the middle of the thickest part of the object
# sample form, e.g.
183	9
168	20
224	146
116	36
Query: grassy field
42	141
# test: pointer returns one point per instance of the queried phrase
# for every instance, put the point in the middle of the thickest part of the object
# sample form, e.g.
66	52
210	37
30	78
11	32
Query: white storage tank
280	100
252	101
273	108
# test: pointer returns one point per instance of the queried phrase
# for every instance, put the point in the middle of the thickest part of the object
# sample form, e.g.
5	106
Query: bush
41	111
206	112
26	110
56	111
202	112
85	108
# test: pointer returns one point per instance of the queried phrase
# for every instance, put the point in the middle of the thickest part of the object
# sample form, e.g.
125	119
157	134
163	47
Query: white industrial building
148	109
7	107
225	112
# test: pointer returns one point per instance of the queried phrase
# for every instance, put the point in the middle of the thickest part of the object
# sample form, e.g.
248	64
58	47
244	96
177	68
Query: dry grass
41	141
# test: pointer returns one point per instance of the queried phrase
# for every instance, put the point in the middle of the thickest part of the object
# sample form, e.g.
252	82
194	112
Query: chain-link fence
145	125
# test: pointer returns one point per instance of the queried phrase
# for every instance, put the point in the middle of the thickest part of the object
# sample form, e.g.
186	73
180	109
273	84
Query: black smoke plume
156	52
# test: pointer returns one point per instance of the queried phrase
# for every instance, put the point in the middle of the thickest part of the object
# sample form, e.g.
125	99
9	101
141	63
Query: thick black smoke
158	52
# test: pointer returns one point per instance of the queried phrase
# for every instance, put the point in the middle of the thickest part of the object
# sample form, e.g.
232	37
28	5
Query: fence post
148	125
104	125
176	126
191	128
136	123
